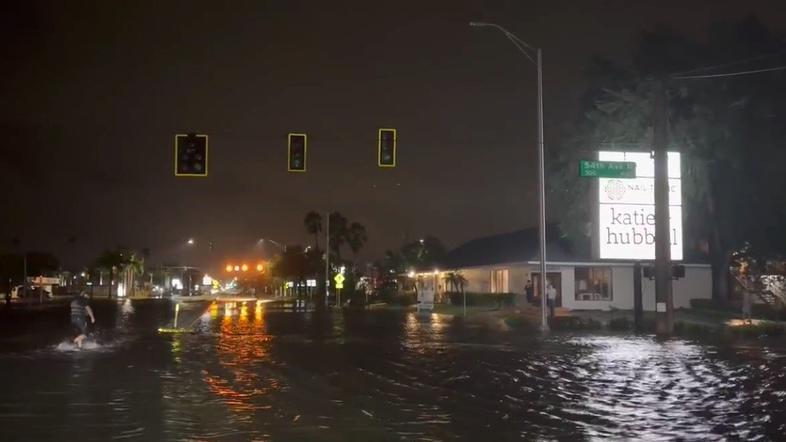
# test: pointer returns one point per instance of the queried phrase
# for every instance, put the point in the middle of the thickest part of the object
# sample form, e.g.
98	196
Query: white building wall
696	284
518	279
621	292
478	278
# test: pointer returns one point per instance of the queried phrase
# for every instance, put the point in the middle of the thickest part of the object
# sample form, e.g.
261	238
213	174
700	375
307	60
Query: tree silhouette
356	237
313	223
729	131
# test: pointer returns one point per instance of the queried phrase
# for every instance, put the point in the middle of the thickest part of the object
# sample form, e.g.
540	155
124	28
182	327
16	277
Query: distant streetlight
190	241
523	48
275	243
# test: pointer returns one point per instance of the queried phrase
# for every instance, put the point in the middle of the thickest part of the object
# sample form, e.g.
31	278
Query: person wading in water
80	310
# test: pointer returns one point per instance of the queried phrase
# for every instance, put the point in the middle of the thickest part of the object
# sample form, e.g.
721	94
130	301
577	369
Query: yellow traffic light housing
386	148
297	150
191	155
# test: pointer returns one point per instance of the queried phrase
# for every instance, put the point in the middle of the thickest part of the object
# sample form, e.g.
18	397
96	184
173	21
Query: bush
573	323
393	297
764	311
622	323
695	330
356	298
767	311
386	293
758	330
710	304
401	299
482	299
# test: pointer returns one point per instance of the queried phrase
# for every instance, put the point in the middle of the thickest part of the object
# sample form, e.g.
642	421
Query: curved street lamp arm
520	44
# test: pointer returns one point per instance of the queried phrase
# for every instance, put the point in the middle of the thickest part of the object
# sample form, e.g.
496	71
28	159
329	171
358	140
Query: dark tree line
729	129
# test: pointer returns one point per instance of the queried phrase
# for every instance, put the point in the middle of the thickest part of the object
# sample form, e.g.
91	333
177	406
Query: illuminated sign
339	278
626	209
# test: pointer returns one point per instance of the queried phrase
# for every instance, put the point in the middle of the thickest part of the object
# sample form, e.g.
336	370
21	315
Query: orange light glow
259	267
229	268
245	268
237	268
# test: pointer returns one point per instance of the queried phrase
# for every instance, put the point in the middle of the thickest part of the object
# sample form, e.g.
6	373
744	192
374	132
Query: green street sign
607	169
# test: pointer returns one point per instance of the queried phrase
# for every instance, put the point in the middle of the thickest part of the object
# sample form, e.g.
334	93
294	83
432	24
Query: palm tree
313	223
455	280
131	266
356	237
110	260
338	233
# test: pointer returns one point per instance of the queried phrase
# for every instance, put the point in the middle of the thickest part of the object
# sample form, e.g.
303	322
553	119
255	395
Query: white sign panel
626	209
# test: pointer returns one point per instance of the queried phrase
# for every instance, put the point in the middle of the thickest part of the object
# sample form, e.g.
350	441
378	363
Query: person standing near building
551	296
529	291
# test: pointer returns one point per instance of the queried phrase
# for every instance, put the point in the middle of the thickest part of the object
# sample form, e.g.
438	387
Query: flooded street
252	374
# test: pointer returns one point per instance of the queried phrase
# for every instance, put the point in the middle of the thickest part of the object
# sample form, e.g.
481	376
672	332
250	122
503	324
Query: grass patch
620	324
766	329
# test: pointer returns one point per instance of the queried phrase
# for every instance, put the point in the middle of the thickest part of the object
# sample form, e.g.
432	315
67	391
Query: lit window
499	281
593	284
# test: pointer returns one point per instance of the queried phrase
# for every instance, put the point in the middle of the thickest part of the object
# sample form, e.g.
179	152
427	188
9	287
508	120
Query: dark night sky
92	93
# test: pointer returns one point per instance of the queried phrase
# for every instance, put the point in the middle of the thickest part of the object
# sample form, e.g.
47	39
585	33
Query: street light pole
327	258
523	47
542	199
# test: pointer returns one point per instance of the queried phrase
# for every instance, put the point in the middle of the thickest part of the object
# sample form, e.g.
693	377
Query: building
504	263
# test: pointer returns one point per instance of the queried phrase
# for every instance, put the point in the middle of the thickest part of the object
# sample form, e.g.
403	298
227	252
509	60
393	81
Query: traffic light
297	148
387	148
191	155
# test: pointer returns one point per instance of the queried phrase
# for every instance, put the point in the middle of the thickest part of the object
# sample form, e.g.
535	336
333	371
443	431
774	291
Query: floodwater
251	374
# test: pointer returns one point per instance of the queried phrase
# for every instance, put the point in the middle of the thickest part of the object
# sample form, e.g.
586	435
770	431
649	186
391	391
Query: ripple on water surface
249	374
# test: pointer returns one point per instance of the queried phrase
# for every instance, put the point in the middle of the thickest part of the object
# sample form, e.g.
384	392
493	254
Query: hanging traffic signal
387	148
191	155
297	147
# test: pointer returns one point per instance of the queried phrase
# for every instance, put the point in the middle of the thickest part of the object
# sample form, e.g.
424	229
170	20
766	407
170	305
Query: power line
732	63
730	74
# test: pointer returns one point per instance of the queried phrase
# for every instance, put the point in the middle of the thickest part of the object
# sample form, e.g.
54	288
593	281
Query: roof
518	246
524	246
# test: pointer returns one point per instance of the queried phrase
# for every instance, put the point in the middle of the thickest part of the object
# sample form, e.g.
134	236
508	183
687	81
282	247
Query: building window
499	281
593	284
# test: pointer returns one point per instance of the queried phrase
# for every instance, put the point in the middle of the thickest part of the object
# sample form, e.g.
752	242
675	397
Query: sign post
339	279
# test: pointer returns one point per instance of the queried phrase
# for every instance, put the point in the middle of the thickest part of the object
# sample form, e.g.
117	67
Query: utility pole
664	316
638	304
327	260
544	323
24	275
